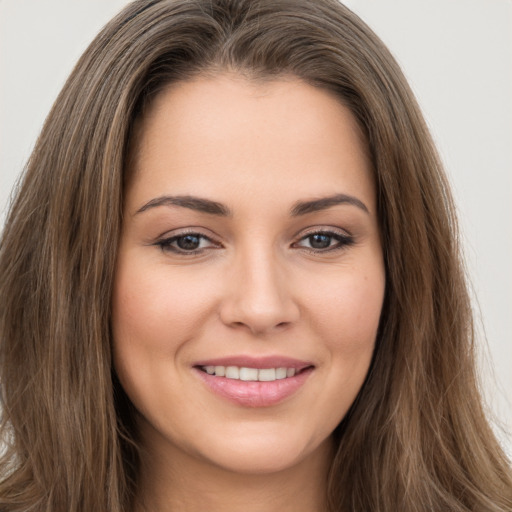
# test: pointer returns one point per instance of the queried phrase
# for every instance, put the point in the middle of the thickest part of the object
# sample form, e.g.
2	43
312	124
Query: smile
249	374
254	382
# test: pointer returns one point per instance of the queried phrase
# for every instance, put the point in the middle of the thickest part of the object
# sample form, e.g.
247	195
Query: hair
416	438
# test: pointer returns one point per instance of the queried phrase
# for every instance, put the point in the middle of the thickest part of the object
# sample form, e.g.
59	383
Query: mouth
253	383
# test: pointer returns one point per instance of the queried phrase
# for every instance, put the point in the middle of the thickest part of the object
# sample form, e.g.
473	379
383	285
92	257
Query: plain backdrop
457	55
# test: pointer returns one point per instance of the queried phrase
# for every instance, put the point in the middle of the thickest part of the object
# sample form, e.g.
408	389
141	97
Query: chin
264	453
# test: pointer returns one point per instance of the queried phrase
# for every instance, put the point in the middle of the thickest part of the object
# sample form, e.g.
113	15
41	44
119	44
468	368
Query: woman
231	278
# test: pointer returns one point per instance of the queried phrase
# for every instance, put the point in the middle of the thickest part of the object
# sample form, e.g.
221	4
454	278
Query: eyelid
187	230
344	238
165	240
311	230
320	229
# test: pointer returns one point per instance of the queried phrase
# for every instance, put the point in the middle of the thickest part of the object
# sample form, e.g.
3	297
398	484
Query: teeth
220	371
232	372
268	374
250	374
281	373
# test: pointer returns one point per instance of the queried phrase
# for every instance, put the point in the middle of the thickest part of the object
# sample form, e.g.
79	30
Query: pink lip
255	393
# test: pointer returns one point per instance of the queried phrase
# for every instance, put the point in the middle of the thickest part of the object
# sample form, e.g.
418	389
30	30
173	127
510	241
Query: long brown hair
416	438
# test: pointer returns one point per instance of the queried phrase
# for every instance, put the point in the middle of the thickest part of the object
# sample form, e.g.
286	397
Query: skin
255	287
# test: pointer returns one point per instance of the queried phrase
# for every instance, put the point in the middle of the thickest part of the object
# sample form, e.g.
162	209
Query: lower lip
255	393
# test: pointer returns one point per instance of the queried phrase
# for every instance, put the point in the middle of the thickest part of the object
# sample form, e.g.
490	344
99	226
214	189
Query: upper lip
246	361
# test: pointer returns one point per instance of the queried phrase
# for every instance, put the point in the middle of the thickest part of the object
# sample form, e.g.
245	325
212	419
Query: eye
186	243
324	241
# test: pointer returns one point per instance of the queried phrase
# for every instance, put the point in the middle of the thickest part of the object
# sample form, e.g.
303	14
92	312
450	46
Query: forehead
273	137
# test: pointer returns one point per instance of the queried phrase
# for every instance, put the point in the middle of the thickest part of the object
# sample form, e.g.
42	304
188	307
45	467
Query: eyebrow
315	205
191	202
214	208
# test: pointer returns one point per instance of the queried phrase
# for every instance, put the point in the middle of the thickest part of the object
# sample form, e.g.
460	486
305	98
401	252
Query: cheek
349	309
155	308
344	310
348	316
155	311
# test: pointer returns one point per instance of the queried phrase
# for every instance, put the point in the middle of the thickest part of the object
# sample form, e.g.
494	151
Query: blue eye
323	241
186	243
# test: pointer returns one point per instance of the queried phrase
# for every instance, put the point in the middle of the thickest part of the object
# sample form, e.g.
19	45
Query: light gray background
457	55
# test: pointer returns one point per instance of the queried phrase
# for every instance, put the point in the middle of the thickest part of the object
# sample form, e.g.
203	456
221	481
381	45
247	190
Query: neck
182	482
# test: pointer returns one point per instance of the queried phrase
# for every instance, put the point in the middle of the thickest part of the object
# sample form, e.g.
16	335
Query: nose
259	295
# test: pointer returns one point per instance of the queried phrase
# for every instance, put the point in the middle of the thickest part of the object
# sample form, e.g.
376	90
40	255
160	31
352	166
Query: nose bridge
259	295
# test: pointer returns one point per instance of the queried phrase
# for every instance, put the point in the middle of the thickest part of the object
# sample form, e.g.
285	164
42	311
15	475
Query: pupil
320	241
188	242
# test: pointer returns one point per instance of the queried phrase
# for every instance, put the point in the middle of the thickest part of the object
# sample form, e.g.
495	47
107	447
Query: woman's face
250	275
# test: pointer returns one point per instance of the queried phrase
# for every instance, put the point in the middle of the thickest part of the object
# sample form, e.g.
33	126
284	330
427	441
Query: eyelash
343	241
166	243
